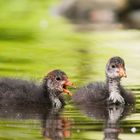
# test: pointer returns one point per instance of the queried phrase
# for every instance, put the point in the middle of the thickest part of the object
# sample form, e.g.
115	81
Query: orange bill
70	84
122	72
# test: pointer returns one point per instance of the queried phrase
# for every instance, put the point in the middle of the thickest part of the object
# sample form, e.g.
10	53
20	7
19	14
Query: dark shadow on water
111	116
16	34
84	66
12	70
15	60
134	87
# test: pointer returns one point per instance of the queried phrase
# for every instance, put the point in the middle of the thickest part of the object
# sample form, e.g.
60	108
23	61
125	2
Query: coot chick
22	92
110	92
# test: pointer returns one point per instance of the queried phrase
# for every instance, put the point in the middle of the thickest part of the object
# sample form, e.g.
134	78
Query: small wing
90	94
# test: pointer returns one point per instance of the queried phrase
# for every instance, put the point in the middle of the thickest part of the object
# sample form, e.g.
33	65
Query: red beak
122	72
70	84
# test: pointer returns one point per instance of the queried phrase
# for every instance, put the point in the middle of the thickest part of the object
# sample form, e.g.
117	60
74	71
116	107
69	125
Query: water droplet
78	130
133	130
43	24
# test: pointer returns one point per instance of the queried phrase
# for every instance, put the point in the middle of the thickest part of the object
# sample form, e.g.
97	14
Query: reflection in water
112	129
84	65
54	126
25	122
110	115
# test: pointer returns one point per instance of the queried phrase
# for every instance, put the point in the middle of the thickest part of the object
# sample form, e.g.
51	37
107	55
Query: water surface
71	122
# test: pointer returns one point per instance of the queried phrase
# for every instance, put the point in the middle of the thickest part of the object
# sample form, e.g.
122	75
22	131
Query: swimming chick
107	92
23	92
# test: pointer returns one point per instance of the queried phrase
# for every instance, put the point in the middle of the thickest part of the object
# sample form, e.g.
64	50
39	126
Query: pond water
72	122
32	42
83	64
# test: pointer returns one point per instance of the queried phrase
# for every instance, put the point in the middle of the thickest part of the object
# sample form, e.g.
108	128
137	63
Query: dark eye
113	66
58	78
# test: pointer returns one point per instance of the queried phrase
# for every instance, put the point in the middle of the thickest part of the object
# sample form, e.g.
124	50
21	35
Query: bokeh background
77	36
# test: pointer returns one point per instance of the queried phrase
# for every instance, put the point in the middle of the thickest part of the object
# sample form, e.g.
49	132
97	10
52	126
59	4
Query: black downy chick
107	92
22	92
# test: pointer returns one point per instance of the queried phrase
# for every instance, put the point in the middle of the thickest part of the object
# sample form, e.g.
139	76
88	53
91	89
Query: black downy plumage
107	92
23	92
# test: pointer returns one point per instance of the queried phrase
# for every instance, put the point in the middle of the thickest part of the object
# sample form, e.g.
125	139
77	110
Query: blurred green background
34	41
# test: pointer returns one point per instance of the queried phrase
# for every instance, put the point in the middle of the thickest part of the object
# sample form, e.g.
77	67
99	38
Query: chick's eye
113	66
58	78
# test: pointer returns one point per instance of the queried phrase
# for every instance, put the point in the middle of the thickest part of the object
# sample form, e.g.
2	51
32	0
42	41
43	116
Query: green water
82	64
33	42
69	123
